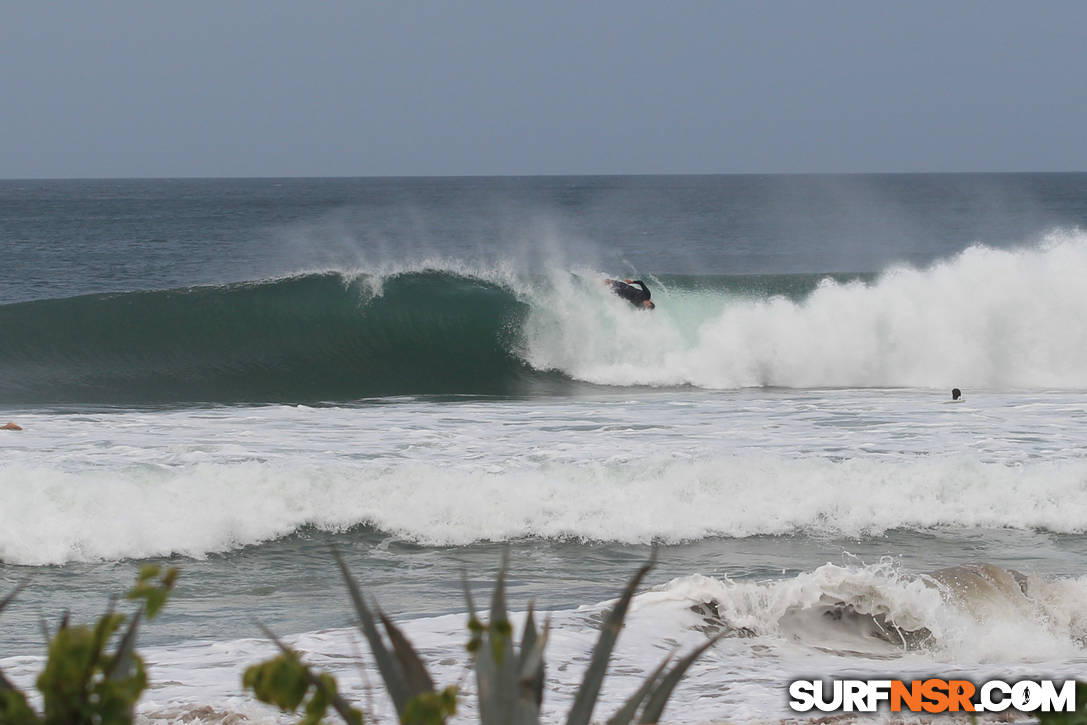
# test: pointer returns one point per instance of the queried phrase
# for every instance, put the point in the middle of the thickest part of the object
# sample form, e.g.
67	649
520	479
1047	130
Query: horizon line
537	175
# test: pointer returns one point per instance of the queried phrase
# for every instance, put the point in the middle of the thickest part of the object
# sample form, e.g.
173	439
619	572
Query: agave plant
511	689
509	680
285	681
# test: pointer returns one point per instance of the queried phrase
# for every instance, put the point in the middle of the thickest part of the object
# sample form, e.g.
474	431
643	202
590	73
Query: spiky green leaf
530	680
531	672
415	673
14	593
585	700
390	670
496	668
626	713
659	698
121	663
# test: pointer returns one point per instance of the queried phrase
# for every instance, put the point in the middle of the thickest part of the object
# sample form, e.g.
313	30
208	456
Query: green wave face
310	338
329	338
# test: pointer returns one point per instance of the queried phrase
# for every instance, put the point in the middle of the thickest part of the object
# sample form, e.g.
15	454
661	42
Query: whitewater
441	475
995	318
302	369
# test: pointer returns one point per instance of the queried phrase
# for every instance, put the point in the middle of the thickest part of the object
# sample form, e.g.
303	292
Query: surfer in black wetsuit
630	293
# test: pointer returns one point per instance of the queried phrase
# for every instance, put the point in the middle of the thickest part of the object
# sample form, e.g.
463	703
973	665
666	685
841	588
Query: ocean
233	376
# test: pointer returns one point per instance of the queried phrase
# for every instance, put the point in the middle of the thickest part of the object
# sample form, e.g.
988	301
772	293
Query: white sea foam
673	466
57	516
973	613
818	621
985	318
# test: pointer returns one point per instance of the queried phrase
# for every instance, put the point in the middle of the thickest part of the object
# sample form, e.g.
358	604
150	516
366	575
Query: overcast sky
396	87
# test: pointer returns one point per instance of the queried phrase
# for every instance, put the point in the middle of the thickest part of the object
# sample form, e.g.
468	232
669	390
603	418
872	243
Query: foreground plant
509	680
82	683
284	681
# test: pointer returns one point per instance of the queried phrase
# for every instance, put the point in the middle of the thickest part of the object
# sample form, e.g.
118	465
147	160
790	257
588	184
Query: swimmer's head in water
956	393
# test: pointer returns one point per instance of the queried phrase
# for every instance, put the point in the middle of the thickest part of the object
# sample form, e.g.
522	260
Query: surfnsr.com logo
932	695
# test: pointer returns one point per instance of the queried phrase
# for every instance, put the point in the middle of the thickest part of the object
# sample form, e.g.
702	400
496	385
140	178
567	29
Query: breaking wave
116	514
985	318
973	613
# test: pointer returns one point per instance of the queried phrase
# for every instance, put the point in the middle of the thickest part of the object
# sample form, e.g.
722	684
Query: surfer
630	293
956	393
11	426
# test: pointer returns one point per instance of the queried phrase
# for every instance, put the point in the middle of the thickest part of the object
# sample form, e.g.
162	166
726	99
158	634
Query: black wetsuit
628	292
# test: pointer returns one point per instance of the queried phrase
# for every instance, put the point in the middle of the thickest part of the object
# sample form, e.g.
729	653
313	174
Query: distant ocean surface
233	375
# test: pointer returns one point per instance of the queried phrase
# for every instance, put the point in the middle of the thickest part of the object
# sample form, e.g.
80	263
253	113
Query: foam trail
994	318
53	516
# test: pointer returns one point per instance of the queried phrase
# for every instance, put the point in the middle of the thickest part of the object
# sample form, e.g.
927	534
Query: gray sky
398	87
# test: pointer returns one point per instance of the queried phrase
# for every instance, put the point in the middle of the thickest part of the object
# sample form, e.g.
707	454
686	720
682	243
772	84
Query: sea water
232	376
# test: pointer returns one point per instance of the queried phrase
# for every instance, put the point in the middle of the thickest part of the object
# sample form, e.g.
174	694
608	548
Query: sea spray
984	318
